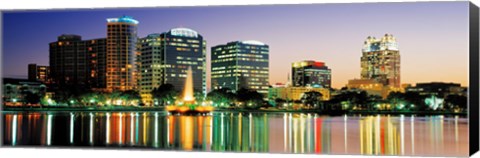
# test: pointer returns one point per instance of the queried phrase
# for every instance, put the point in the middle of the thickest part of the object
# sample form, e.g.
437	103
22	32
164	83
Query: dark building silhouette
440	89
39	73
76	62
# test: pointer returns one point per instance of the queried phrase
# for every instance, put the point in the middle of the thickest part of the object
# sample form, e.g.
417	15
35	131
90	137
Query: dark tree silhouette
251	98
457	101
165	93
223	95
31	98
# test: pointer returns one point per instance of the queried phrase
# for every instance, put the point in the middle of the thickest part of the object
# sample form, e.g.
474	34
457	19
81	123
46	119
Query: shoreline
158	109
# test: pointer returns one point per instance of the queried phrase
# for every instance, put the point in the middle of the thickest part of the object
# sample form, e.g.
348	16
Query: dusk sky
432	36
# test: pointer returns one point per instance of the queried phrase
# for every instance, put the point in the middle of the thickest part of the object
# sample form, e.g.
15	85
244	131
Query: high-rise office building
165	58
311	74
380	60
120	56
39	73
74	61
68	60
149	61
240	64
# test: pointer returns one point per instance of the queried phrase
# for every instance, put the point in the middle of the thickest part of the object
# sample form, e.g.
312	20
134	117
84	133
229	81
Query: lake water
242	132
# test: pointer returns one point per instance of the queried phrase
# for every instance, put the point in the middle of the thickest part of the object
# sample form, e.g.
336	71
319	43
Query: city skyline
308	35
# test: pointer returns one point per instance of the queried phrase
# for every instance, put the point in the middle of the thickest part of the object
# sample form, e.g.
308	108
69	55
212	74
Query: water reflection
379	136
243	132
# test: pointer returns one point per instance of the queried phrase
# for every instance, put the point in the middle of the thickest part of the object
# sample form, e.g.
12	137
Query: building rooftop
253	42
185	32
387	42
69	37
305	63
18	81
438	84
247	42
123	19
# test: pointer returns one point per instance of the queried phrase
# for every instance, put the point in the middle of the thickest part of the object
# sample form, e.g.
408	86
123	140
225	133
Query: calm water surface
242	132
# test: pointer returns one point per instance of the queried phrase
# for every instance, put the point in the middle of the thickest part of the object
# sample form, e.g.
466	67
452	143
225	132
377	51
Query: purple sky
432	36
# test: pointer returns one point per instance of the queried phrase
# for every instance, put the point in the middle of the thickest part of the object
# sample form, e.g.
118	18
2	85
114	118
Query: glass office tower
165	58
240	64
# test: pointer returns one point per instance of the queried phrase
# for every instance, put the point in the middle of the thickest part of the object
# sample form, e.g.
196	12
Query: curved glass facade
121	42
165	58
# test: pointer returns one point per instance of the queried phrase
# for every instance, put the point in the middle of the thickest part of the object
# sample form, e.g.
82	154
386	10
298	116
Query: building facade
165	58
241	64
15	90
68	60
373	87
311	74
120	57
39	73
96	50
74	61
380	60
440	89
296	93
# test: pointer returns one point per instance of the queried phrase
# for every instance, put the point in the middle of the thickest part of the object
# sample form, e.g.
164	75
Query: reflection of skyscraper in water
435	132
302	133
306	133
236	132
380	136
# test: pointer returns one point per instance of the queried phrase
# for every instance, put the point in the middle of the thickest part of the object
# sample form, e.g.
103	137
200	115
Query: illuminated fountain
187	104
434	102
188	89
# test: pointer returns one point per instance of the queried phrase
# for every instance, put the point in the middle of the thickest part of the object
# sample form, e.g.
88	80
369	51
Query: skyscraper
165	58
310	73
240	64
120	57
68	61
380	60
74	61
